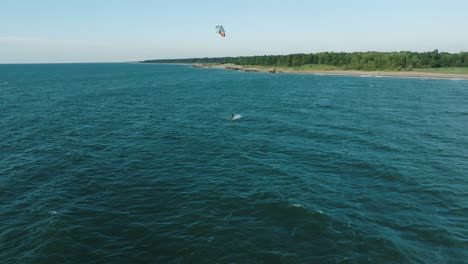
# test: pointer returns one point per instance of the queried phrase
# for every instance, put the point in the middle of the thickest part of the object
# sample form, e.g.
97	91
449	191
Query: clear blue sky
125	30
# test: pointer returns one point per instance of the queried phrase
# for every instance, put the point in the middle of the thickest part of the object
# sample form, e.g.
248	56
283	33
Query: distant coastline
431	64
254	68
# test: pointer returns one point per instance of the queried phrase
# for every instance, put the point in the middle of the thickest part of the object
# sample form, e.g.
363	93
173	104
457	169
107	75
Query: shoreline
415	74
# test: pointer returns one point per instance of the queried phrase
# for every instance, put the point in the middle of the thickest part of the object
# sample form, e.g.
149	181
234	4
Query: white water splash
236	117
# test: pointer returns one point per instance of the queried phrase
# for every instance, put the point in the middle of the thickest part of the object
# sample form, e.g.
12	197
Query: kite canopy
220	31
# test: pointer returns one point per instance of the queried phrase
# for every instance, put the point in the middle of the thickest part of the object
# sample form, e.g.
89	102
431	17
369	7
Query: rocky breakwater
234	67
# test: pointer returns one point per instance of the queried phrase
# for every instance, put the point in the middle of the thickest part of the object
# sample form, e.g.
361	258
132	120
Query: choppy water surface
130	163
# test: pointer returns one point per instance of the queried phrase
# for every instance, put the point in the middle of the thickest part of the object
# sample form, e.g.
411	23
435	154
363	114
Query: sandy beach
413	73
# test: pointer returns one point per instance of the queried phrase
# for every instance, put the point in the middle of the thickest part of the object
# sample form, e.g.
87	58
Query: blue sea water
140	163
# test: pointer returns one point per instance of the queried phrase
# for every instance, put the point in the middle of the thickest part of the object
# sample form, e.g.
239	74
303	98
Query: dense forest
403	60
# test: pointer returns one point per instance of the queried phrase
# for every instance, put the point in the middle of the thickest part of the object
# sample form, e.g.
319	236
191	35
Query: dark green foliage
403	60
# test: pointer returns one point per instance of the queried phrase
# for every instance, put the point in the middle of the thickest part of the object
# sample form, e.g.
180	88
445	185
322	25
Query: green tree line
403	60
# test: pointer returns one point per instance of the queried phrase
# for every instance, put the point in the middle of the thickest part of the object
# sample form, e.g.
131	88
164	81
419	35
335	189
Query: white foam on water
308	210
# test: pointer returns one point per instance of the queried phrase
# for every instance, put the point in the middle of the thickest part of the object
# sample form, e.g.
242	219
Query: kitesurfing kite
220	31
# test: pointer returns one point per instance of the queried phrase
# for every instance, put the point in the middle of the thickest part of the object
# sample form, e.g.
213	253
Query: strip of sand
413	73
